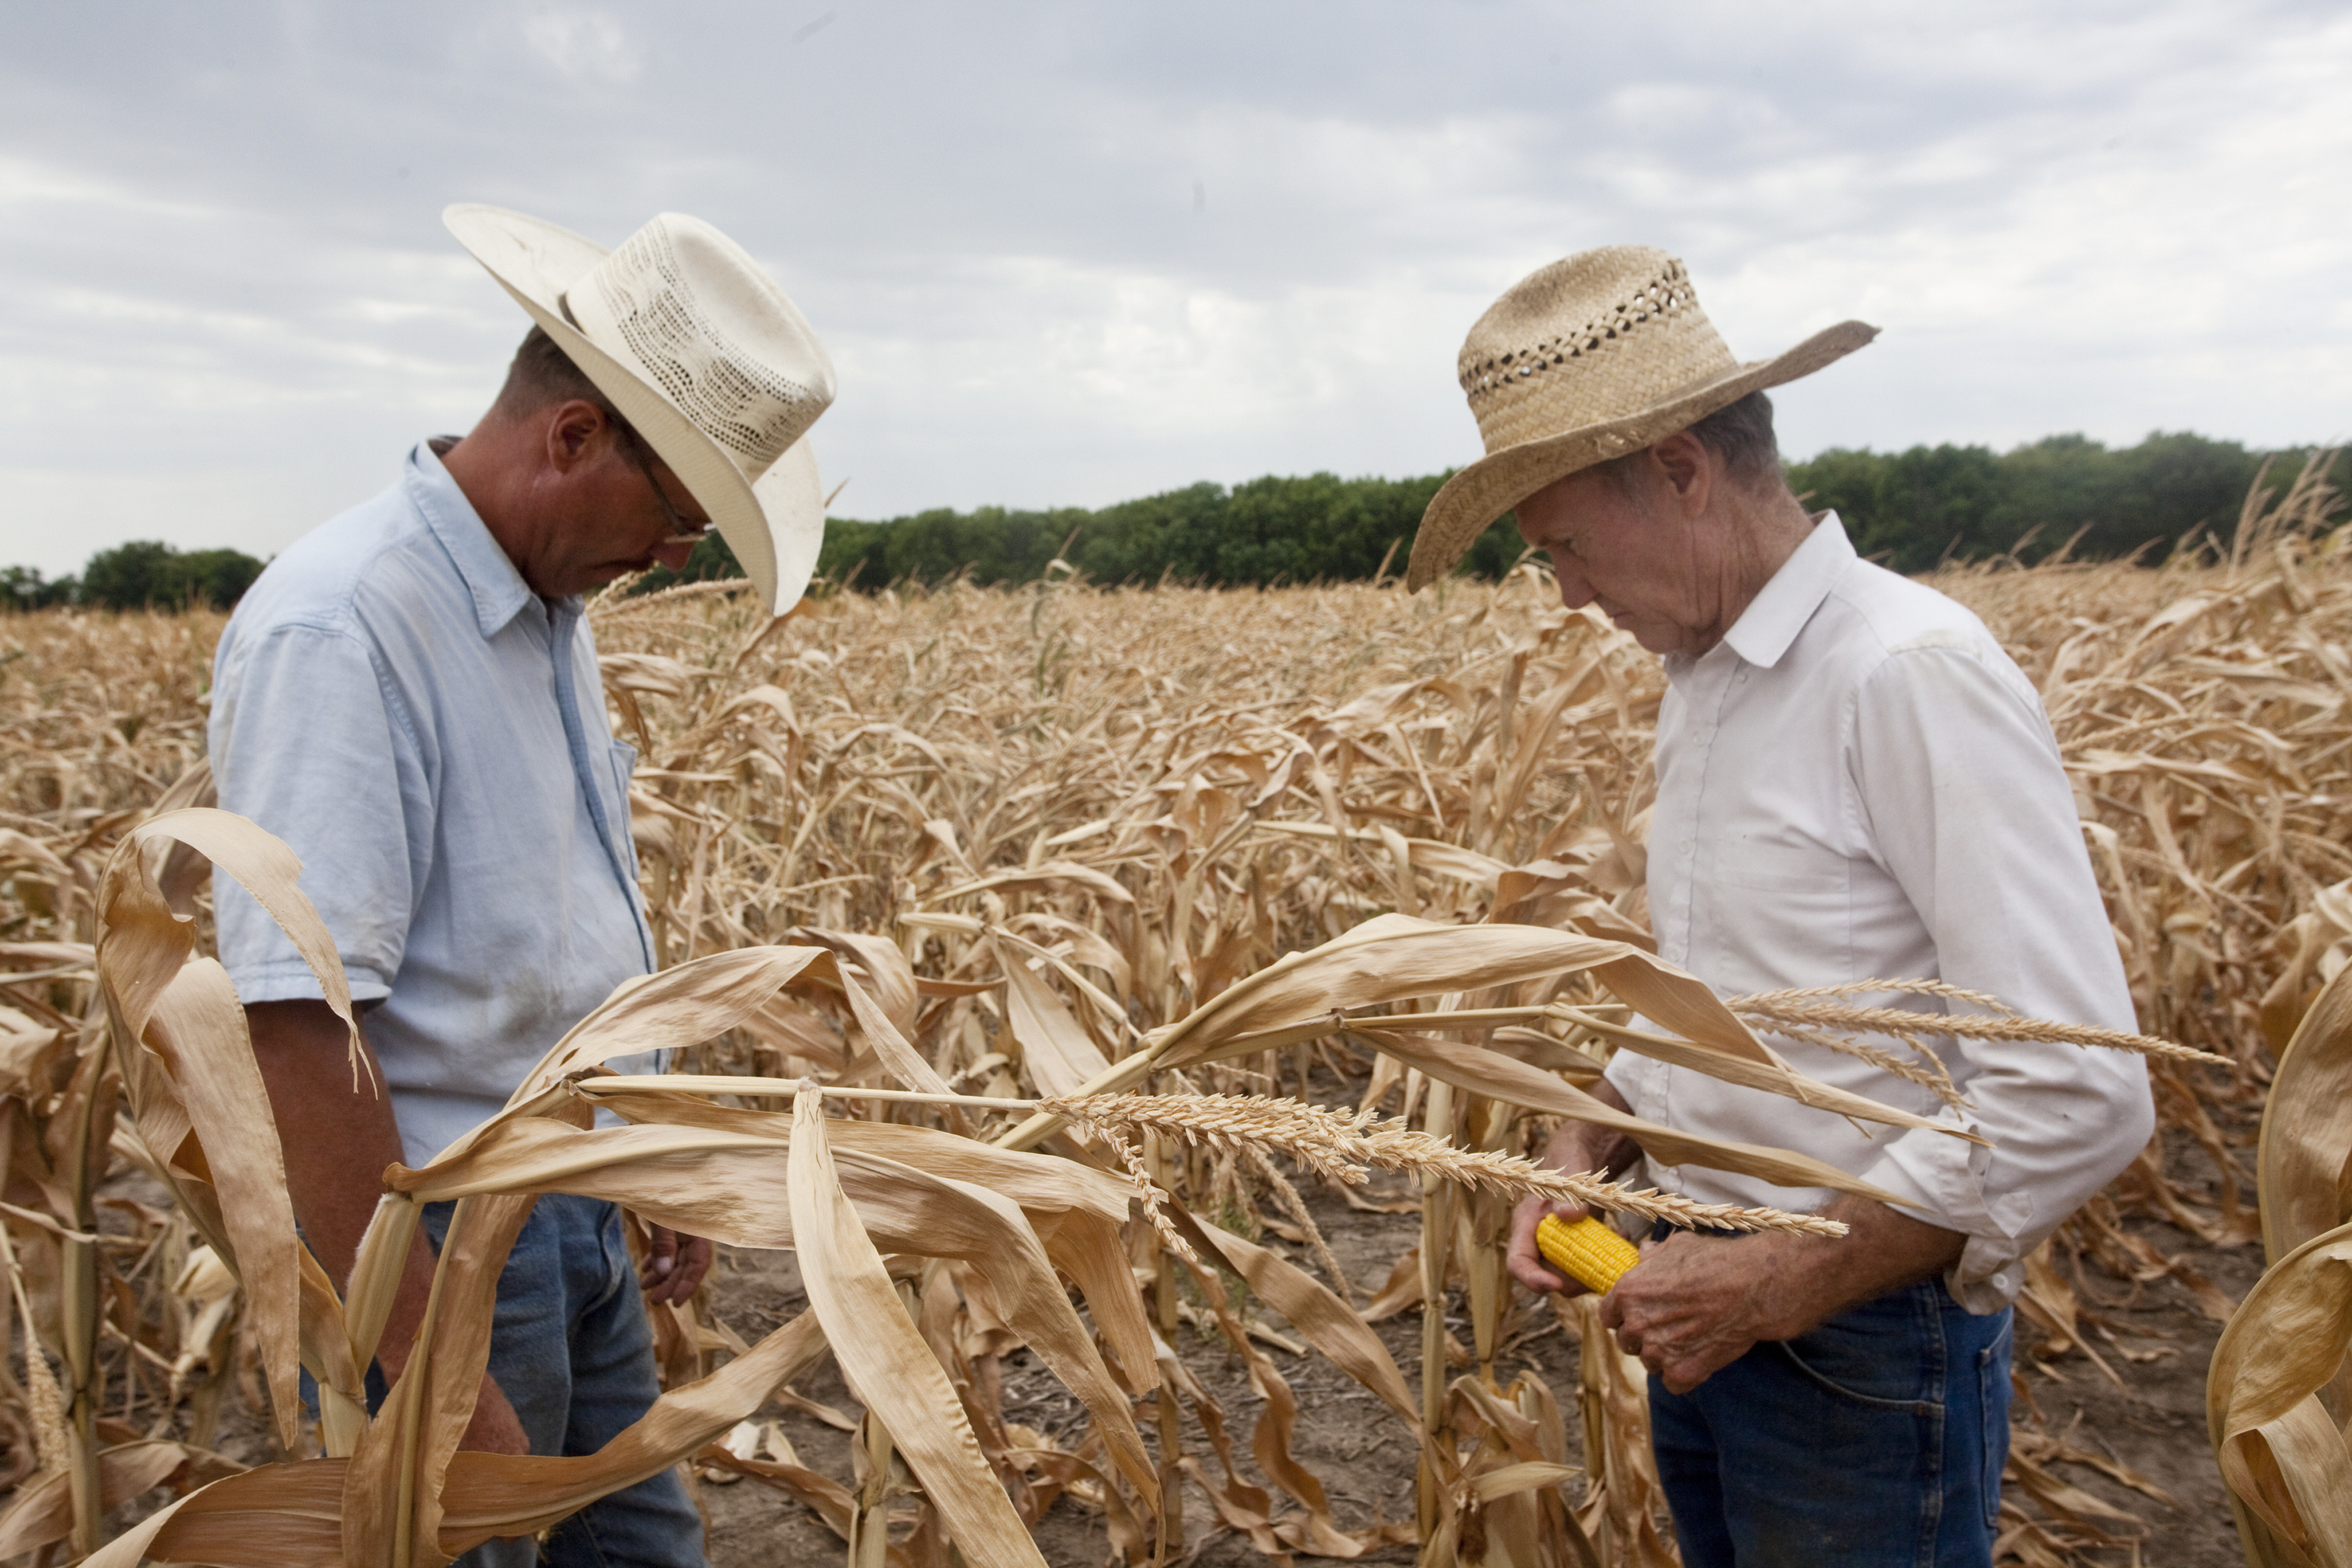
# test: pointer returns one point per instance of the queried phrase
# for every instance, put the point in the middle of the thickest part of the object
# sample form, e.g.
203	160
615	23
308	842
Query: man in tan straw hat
409	697
1853	781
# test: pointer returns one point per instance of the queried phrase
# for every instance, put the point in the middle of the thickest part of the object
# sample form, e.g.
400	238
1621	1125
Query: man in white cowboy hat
409	697
1853	781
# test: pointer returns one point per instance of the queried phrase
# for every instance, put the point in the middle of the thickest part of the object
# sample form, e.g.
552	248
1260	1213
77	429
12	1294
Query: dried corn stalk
1039	829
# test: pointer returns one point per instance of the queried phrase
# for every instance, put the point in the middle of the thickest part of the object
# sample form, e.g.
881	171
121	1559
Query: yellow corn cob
1588	1252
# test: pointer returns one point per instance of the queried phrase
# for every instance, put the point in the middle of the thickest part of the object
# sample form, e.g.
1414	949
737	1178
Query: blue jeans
1877	1440
571	1347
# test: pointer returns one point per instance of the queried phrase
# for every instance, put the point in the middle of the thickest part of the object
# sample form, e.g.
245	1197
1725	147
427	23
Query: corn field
1037	966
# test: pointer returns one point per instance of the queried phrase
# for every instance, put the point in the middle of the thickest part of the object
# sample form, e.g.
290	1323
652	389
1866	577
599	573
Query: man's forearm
1697	1303
1818	1277
337	1136
337	1139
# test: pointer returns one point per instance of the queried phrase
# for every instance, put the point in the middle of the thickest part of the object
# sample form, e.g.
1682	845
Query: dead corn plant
850	1198
1037	830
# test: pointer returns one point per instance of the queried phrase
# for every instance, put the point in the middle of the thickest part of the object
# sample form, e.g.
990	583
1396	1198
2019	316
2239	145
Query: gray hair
542	375
1738	432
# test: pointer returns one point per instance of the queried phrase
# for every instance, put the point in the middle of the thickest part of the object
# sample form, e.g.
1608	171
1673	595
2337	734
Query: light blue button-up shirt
429	735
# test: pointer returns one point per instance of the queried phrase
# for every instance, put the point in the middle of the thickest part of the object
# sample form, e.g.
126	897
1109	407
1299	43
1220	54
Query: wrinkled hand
674	1266
1698	1303
1526	1260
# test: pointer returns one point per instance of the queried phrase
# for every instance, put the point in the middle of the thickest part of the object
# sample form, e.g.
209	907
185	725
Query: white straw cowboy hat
700	353
1601	354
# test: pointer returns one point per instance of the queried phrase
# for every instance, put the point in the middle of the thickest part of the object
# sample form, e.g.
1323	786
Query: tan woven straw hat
699	351
1587	358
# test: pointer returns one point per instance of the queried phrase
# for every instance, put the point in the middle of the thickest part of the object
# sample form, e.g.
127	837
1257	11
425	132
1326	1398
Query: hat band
1662	298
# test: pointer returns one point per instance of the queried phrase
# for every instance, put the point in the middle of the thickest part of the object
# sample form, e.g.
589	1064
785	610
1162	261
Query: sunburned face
626	513
1639	561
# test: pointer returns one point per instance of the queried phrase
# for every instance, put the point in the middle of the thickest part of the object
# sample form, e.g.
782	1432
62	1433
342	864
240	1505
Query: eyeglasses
681	531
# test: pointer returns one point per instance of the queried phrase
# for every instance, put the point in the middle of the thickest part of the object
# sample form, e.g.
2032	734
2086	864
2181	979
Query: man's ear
577	432
1689	470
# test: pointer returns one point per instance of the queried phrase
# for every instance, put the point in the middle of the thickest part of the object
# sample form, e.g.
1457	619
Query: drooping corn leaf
886	1359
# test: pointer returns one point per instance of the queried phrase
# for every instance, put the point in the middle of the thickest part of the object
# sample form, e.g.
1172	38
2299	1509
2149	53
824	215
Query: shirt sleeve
1960	781
306	741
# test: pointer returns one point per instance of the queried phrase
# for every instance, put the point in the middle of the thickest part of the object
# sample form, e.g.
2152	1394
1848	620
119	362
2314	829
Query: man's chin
1658	640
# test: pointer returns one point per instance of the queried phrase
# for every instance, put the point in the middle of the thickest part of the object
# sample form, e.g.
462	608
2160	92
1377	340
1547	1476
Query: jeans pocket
1879	1355
1852	1395
1992	1397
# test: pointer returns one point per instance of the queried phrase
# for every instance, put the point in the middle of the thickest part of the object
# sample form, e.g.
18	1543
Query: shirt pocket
622	761
1771	913
624	768
1799	869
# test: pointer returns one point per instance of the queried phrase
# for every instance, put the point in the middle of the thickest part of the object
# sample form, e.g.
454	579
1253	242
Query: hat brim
1472	499
775	526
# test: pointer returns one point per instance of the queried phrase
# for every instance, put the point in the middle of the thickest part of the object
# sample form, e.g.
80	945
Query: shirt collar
498	589
1774	617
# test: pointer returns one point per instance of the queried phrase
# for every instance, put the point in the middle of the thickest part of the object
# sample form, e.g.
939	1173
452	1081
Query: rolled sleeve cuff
1945	1177
295	983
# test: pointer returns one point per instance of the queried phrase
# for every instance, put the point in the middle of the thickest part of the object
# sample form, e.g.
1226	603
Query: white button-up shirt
1857	783
429	735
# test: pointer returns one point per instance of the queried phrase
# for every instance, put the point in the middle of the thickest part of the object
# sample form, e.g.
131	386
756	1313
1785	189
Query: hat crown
1592	338
695	315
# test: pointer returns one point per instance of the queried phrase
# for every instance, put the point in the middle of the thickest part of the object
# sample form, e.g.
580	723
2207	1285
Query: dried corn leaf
1062	1058
1498	1076
2307	1141
2284	1457
886	1359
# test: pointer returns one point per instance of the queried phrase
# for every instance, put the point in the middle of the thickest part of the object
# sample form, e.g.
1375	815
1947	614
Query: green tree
149	573
24	588
1910	509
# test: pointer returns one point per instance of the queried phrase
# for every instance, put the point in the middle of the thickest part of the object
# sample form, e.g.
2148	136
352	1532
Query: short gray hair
1739	433
542	375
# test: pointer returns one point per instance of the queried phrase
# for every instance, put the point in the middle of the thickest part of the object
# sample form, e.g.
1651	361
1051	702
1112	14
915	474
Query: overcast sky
1072	253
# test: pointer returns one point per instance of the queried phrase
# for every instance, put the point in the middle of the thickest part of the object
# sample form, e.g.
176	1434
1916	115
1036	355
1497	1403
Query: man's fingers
1524	1259
693	1262
661	1257
674	1264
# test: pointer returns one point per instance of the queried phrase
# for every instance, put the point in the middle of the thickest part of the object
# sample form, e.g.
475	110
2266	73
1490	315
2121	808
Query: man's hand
495	1428
1526	1260
1576	1146
1697	1303
674	1266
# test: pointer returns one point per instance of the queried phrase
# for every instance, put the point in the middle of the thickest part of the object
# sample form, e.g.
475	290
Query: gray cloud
1070	252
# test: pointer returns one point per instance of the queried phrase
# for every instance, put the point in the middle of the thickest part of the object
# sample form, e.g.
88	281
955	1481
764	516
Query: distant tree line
1911	510
1908	510
135	576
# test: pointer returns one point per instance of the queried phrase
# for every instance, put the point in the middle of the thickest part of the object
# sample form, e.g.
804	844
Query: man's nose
1575	592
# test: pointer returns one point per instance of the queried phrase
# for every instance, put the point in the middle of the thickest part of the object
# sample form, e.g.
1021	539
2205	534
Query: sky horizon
1065	255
